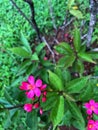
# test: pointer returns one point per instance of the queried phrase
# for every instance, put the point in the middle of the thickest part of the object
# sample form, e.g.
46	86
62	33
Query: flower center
90	126
92	107
31	87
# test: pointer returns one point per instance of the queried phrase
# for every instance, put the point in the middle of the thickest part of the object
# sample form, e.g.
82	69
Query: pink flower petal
43	87
89	111
87	105
38	83
36	105
96	124
44	99
28	107
31	80
96	111
41	111
96	105
92	102
37	92
25	86
30	94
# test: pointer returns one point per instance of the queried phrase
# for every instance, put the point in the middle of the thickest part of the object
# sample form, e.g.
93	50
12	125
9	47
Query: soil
67	128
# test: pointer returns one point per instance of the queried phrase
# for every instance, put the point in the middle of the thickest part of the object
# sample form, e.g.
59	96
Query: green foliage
68	86
57	112
55	81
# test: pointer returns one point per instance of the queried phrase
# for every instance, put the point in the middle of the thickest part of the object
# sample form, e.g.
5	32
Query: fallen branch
33	24
94	11
52	53
12	107
31	4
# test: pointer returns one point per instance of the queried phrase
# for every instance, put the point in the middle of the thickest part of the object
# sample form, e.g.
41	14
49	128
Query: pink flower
32	87
92	106
41	111
28	107
36	105
92	125
44	99
43	87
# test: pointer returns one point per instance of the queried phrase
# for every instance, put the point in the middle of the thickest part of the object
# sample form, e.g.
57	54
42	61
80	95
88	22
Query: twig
52	14
31	4
52	53
29	21
84	36
93	10
12	107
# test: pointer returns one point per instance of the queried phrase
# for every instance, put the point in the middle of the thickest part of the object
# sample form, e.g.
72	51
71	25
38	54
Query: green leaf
93	54
26	43
77	39
87	94
39	47
95	117
32	120
55	81
76	113
24	65
57	112
32	68
66	61
67	47
64	48
50	102
66	75
20	51
58	71
76	13
86	57
46	63
78	125
78	66
70	3
60	50
34	56
7	96
76	85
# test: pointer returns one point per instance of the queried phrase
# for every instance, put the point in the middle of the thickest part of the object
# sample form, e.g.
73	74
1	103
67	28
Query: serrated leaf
79	66
66	61
87	94
20	51
46	63
50	102
39	47
7	96
57	112
34	57
60	50
76	85
32	120
93	54
25	43
24	65
66	47
86	57
78	125
77	39
76	113
55	81
76	13
3	101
